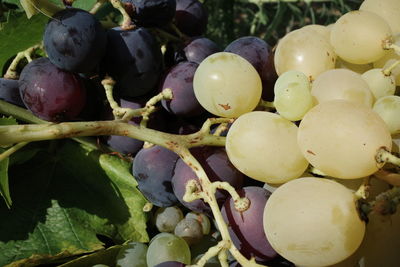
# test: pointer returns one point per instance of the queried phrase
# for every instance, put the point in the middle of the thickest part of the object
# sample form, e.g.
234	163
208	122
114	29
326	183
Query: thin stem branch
212	252
241	204
97	6
12	72
12	149
383	155
126	21
150	105
388	71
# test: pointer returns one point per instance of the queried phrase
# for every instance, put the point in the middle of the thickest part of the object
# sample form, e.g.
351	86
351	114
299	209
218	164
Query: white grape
321	29
387	61
313	222
359	68
389	10
341	138
293	95
227	85
306	51
341	84
388	108
380	83
358	37
263	146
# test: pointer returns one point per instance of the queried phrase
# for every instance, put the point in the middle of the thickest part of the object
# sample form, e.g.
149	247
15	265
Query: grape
389	10
134	60
257	52
305	51
320	29
359	68
341	84
246	227
202	219
51	93
153	13
167	247
170	264
388	108
198	48
358	37
153	169
167	218
191	17
341	139
313	222
227	85
386	61
217	167
190	230
9	92
263	146
74	40
293	95
380	83
132	254
180	80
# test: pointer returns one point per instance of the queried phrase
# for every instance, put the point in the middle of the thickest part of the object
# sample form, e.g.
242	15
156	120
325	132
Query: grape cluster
322	103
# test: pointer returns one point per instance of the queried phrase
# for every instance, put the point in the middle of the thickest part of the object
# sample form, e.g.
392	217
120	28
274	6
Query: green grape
389	10
380	84
341	139
358	37
167	218
313	222
263	146
167	247
132	254
227	85
388	108
320	29
202	219
292	95
190	230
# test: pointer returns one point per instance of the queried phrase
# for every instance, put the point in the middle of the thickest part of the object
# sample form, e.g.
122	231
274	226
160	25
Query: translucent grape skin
167	218
388	108
132	254
74	40
153	169
190	230
341	139
313	222
167	247
306	51
170	264
227	85
152	13
380	84
191	17
180	80
358	37
246	228
263	146
133	58
198	48
387	9
9	92
218	168
51	93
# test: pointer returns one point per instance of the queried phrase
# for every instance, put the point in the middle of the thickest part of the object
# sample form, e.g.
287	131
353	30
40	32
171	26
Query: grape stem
363	191
383	155
126	19
241	204
11	150
12	72
315	171
218	249
97	6
166	94
266	105
384	204
222	127
388	70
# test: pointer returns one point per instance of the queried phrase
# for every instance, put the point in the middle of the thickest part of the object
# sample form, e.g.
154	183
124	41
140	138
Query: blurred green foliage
231	19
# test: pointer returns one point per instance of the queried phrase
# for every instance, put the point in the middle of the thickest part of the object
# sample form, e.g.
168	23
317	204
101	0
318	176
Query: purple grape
9	92
152	13
153	169
134	60
51	93
191	18
180	80
217	166
74	40
170	264
258	53
246	227
197	49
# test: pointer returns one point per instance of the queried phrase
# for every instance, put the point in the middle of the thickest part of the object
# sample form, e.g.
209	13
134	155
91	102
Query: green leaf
84	4
63	200
19	33
106	256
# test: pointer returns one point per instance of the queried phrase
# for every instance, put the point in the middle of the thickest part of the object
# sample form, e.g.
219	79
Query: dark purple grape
134	60
217	166
180	80
246	227
170	264
51	93
258	53
152	13
153	169
197	49
75	40
191	17
9	92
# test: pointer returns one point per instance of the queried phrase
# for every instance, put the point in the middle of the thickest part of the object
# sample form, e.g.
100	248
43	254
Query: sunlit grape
388	108
380	83
389	10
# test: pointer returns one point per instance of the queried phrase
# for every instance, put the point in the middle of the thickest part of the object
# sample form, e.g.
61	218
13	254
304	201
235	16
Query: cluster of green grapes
337	111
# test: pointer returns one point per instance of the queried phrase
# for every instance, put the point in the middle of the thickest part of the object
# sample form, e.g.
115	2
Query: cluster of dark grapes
65	86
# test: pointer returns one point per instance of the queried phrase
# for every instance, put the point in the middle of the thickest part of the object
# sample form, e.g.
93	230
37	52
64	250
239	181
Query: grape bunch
248	155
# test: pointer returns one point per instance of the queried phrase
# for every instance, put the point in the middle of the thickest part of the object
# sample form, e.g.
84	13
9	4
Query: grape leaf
63	199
